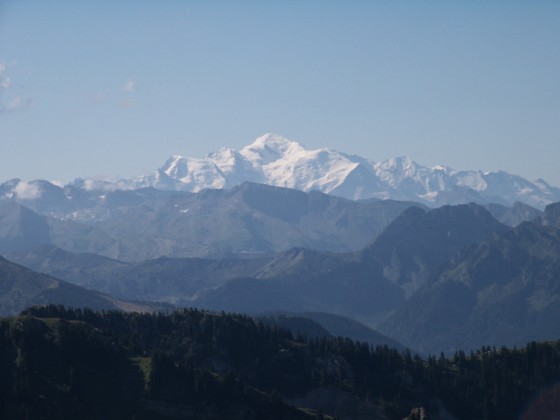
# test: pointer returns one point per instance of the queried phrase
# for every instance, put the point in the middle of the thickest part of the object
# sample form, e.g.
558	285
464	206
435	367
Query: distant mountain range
250	220
441	279
366	285
277	161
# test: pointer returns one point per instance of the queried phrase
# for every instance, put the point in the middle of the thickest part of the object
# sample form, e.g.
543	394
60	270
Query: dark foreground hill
60	364
21	287
322	324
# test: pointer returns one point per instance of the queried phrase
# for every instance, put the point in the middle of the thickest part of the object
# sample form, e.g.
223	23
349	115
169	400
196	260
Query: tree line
58	362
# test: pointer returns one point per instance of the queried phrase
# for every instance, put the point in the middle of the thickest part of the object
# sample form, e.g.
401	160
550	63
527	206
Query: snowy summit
275	160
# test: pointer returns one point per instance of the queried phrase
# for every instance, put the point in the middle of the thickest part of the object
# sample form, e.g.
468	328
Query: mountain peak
269	148
276	160
400	163
274	140
224	156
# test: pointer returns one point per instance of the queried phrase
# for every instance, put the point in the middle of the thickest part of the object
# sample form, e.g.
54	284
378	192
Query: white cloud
98	98
26	191
107	184
5	82
90	184
129	86
8	101
17	103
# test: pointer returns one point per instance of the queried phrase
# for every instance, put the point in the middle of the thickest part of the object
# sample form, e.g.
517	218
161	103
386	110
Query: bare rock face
551	216
417	414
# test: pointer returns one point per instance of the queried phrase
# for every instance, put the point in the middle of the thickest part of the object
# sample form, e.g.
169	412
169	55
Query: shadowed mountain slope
366	286
420	241
21	288
161	279
504	291
514	215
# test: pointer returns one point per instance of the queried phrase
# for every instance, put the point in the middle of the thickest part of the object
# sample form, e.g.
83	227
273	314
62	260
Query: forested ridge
71	363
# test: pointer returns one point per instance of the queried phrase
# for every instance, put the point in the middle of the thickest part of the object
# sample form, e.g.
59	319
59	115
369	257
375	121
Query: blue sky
116	87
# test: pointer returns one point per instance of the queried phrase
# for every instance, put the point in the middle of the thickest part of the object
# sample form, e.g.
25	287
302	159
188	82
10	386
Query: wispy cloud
129	86
98	98
17	103
124	97
10	102
5	82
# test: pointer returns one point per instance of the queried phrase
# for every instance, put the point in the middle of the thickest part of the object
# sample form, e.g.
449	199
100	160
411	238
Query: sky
114	88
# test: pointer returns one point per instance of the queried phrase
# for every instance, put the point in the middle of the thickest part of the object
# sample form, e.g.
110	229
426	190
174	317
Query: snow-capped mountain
275	160
270	159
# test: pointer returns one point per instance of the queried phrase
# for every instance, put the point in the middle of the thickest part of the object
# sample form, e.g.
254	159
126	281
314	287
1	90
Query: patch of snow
57	183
